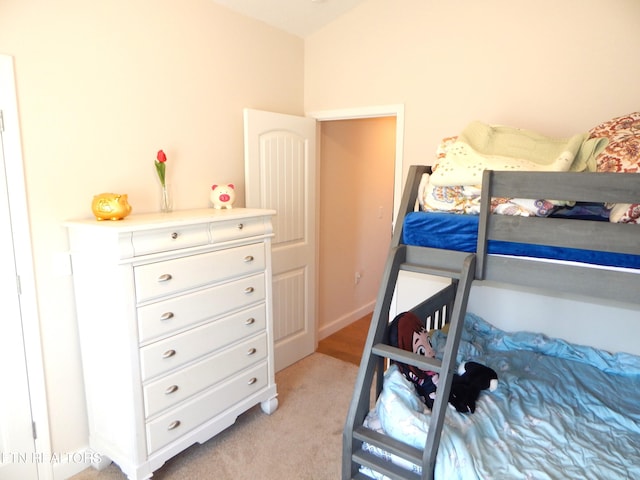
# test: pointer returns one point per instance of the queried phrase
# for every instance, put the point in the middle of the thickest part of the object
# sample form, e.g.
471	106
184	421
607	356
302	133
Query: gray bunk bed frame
448	306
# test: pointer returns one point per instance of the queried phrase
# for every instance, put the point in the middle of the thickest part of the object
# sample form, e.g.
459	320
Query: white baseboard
339	323
68	464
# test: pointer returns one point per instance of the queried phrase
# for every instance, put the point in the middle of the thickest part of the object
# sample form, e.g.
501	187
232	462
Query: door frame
394	110
24	263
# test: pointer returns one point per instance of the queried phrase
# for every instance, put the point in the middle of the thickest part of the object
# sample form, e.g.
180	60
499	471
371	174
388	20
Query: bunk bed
379	444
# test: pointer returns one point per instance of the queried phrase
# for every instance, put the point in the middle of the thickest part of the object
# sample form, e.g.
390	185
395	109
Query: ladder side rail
448	368
360	402
408	200
483	228
449	307
380	367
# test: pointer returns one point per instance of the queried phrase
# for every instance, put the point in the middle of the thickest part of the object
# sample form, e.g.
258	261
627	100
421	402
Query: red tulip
160	166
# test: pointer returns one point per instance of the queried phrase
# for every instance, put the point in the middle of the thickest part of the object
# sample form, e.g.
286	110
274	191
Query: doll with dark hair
408	332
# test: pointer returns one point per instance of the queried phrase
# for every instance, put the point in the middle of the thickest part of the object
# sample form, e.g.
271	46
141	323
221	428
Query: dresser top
147	221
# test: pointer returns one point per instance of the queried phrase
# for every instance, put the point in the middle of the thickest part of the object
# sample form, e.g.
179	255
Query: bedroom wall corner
101	87
451	63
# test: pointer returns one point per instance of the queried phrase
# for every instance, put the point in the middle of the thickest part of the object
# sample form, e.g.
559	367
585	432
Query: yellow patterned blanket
487	147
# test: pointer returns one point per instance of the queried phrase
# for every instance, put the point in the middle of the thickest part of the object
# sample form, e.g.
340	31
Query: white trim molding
395	110
24	262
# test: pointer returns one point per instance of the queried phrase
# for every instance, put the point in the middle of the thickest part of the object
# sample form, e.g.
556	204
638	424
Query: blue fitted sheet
460	232
560	411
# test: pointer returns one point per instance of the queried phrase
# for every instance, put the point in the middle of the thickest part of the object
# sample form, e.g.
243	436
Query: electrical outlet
358	276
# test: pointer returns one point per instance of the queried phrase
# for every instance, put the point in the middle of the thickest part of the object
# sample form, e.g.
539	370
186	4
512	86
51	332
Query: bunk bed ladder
449	305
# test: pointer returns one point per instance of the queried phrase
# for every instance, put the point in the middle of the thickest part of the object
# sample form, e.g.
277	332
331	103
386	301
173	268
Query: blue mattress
460	232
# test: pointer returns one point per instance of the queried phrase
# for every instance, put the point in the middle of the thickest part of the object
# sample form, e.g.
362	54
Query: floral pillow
622	154
466	198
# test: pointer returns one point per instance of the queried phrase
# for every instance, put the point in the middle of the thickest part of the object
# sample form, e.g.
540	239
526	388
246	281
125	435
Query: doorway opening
359	191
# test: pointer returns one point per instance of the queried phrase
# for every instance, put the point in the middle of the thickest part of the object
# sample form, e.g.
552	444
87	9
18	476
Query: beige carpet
301	440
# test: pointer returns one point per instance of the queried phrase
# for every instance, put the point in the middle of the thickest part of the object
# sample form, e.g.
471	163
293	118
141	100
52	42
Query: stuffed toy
471	379
408	332
222	196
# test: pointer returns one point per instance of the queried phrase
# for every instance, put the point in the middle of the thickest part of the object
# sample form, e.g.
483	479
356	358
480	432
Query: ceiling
299	17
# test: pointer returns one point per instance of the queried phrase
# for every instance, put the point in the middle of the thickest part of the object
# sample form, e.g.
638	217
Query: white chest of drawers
174	314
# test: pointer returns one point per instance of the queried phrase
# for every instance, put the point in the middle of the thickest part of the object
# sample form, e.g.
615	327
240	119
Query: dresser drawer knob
174	235
164	277
166	316
252	381
250	321
173	425
240	226
248	259
251	351
169	353
249	290
171	389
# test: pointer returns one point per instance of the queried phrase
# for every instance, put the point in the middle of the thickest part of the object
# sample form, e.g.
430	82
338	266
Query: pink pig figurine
222	196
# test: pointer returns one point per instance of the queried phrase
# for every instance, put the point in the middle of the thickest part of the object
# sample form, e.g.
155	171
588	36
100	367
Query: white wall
611	326
558	67
101	87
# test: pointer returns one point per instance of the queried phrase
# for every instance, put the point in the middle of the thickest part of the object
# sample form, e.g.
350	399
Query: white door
280	174
18	460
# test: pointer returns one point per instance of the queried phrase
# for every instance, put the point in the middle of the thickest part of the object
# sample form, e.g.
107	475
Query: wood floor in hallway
347	344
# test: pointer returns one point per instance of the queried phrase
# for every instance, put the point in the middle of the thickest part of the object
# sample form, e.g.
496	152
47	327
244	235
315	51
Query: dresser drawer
198	410
156	280
164	355
161	319
234	229
174	388
173	238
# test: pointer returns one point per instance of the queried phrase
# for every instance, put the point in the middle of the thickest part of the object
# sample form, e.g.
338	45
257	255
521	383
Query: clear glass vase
166	199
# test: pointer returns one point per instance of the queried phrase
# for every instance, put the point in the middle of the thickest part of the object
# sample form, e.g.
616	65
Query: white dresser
174	314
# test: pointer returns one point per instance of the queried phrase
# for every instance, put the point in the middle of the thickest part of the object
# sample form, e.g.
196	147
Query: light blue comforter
561	411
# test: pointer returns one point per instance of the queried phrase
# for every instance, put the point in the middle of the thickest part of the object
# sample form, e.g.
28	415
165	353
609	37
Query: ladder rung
408	358
440	272
389	444
384	467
